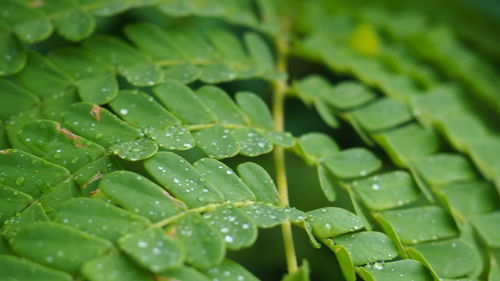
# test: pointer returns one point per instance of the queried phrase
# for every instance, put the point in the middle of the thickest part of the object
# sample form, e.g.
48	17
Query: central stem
280	87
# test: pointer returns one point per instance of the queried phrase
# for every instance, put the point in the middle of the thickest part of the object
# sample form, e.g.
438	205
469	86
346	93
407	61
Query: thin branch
280	89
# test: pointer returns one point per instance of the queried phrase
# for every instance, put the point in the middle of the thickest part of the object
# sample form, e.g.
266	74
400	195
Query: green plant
129	140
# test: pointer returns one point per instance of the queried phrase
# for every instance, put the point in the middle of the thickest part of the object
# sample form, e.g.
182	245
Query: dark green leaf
139	195
58	246
14	268
204	245
98	218
114	267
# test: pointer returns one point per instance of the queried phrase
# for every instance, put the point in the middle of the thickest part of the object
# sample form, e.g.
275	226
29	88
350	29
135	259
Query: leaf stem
279	91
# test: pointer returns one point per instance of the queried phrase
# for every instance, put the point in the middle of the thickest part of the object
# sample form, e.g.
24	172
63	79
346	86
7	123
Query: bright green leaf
182	180
153	250
236	228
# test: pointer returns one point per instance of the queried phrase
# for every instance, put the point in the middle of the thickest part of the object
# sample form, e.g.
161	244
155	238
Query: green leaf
184	103
344	259
216	141
344	96
229	270
284	139
12	54
142	111
445	168
98	125
182	274
14	268
98	218
259	51
143	74
265	216
78	63
471	197
327	184
449	259
313	88
15	124
259	182
88	176
12	201
175	137
367	247
75	24
55	104
17	169
347	95
139	195
135	150
403	270
135	66
58	246
382	114
42	77
251	142
204	245
153	250
228	45
182	180
352	163
32	214
408	142
483	154
114	267
58	145
152	40
184	73
217	73
386	191
114	51
59	194
29	24
256	110
227	182
488	227
99	89
316	146
326	113
332	221
15	99
463	129
236	228
421	224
